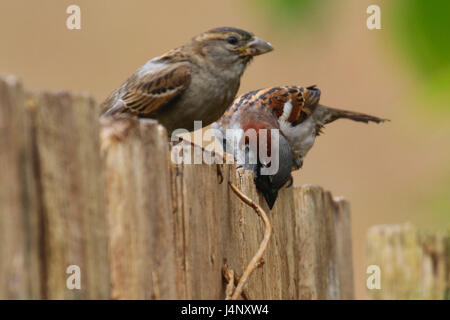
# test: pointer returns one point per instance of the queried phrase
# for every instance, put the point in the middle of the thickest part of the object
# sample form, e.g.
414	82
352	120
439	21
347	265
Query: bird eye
232	40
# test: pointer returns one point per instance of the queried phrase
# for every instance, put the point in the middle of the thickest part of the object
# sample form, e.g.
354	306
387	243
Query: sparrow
294	113
196	81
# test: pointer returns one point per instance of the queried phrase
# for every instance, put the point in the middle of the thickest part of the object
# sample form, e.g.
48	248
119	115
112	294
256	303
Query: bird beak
270	198
257	47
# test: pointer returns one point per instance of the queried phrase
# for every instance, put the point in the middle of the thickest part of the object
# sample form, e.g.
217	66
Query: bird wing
152	91
288	103
306	100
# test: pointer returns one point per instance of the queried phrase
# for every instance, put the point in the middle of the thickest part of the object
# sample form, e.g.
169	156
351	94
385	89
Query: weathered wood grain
109	197
20	276
301	260
72	194
139	206
318	267
413	264
342	222
211	225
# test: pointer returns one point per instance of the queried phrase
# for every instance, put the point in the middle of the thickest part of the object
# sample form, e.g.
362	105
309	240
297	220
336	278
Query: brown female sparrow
292	111
196	81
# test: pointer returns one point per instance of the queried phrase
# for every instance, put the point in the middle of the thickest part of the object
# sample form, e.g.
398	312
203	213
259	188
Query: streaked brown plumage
196	81
294	111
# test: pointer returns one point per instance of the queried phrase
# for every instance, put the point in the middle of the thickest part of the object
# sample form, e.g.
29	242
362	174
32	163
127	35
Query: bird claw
290	182
219	173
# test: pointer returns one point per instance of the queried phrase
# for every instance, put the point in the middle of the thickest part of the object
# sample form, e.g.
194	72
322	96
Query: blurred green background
421	30
391	173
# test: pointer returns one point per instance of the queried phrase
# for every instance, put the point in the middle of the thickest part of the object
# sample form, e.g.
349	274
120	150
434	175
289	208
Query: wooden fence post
413	264
20	273
342	222
108	197
72	195
303	258
139	206
318	273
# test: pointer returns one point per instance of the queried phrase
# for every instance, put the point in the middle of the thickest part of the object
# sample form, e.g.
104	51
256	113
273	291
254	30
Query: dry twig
229	276
257	258
232	279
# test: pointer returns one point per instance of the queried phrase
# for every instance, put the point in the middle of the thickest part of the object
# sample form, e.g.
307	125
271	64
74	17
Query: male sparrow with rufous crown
295	113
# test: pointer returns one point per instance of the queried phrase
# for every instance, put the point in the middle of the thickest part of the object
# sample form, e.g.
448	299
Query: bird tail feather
334	114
